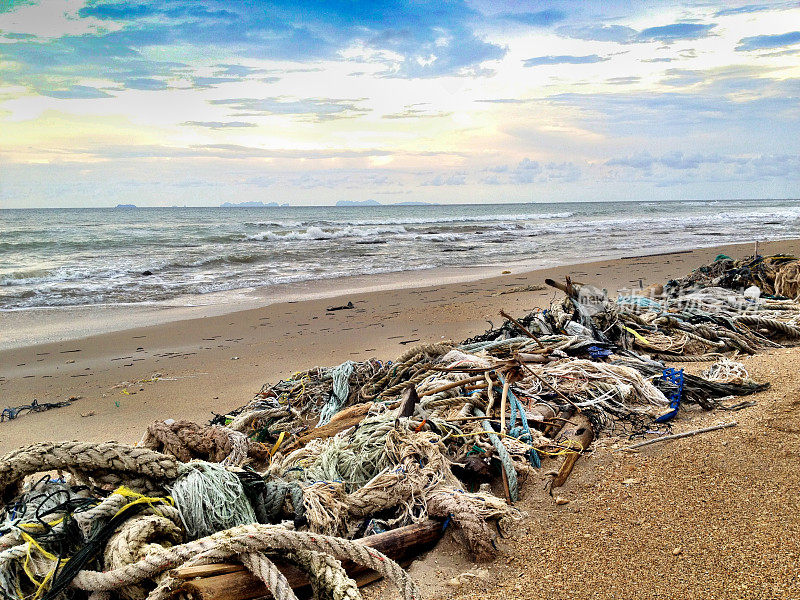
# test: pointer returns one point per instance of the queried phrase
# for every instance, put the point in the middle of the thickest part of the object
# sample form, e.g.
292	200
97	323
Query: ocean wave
494	218
281	224
318	233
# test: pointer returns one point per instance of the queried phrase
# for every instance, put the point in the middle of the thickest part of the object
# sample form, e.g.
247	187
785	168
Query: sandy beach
189	368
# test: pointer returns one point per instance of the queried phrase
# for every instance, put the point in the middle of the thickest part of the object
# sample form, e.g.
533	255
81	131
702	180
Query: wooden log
345	419
205	570
398	544
541	412
529	357
561	419
408	402
453	384
580	433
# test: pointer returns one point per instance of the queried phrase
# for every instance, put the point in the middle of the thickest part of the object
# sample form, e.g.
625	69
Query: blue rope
522	433
502	453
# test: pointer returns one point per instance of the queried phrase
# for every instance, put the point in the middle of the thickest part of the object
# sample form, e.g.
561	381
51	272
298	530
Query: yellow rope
141	499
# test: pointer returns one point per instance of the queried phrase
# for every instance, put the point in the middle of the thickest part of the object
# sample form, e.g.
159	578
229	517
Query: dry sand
714	516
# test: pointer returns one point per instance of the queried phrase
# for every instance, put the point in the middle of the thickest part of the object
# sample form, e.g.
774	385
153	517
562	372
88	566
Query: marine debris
334	476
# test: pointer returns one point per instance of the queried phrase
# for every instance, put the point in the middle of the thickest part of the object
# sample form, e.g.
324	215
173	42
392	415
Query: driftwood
233	582
578	432
561	419
408	402
345	419
347	306
677	436
454	384
521	327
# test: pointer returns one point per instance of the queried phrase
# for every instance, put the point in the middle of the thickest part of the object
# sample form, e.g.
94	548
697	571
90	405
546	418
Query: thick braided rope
399	387
326	574
133	539
705	341
109	458
788	330
245	420
688	359
247	539
263	568
274	497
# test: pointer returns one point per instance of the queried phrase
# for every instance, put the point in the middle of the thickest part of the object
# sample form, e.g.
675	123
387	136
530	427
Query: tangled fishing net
318	463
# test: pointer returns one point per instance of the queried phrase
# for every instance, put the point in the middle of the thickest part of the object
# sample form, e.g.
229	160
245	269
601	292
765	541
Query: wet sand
217	362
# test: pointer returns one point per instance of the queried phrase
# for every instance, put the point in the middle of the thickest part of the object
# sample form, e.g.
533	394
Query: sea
101	256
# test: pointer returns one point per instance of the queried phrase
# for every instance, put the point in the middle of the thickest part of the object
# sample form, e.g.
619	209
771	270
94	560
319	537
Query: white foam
318	233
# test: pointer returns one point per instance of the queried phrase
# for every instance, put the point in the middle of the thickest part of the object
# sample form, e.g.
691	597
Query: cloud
412	111
145	83
219	124
407	39
504	100
314	109
445	179
11	5
76	92
564	60
675	32
674	160
682	77
747	9
542	18
676	168
212	82
623	80
599	33
231	70
764	42
18	36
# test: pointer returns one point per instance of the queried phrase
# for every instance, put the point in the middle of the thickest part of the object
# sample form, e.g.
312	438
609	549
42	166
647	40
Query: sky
199	102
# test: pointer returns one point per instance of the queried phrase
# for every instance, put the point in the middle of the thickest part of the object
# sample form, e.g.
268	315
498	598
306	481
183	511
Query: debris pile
333	473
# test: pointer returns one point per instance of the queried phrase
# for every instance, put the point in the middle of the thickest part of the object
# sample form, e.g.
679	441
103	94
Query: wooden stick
477	386
503	402
520	326
398	544
463	369
459	419
205	570
506	486
580	434
680	435
345	419
490	393
453	384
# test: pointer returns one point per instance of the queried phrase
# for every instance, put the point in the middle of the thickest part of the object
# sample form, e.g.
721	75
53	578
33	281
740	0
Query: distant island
256	204
372	202
369	202
126	206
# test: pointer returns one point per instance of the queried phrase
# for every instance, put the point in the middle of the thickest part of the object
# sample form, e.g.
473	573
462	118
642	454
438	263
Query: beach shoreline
189	368
25	327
